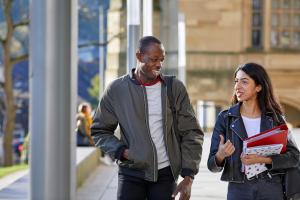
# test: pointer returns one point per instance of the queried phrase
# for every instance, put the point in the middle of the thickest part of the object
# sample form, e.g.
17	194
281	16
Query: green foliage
94	90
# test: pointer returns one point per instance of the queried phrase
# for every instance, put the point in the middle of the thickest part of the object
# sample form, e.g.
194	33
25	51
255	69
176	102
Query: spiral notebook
264	150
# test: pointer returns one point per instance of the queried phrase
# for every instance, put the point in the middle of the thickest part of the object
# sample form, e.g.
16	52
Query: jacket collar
237	124
234	111
134	80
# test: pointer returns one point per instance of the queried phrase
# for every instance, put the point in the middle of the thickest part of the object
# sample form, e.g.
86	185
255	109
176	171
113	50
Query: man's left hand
184	188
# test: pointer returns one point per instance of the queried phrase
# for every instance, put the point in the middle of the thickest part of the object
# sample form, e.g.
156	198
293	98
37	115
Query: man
149	154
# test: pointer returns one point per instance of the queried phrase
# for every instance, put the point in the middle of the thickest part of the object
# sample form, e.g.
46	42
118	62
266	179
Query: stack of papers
267	143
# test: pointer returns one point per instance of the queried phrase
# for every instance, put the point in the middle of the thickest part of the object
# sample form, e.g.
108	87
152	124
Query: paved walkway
102	184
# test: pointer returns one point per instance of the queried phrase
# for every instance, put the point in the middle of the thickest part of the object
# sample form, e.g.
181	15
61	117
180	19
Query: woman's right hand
224	150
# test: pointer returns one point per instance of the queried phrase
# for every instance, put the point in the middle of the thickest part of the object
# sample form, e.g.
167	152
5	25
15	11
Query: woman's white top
252	125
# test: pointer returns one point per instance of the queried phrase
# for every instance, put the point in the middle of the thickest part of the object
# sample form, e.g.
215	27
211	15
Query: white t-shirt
252	125
156	123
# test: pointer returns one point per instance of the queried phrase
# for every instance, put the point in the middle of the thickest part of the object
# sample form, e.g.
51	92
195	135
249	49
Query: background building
220	35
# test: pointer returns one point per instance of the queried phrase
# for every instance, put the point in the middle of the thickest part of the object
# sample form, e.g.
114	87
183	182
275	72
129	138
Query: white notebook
265	150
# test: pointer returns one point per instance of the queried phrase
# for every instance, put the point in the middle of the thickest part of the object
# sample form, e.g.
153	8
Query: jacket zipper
231	159
231	156
149	134
166	98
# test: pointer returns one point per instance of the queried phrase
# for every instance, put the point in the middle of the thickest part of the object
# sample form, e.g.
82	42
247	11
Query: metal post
101	51
169	34
181	49
53	95
133	31
147	17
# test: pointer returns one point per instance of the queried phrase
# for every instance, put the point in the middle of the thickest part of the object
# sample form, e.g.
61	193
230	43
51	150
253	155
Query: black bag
169	83
291	183
291	178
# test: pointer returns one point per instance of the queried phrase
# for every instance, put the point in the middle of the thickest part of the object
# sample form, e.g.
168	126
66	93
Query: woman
84	122
254	109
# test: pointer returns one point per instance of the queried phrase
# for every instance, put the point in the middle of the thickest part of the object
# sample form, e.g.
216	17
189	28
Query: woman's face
245	87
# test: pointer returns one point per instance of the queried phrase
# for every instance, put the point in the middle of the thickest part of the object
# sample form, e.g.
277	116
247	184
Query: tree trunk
10	116
10	113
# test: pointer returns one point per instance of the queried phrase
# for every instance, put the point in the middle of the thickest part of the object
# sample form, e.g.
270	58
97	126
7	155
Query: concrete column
267	14
53	85
133	31
169	34
147	17
181	48
116	48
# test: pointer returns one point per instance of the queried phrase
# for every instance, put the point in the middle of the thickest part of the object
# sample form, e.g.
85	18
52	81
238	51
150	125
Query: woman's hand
224	150
249	159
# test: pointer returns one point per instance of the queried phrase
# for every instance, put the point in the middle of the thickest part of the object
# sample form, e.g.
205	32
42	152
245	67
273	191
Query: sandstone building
220	35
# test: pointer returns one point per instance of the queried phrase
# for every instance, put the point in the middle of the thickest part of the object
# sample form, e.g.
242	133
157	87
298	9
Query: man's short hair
146	41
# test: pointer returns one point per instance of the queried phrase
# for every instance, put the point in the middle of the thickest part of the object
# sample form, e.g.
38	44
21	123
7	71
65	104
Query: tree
94	90
12	53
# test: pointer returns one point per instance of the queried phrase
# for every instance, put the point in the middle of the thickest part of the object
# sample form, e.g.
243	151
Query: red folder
276	135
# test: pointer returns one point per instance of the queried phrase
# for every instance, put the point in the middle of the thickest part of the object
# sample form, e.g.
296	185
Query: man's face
151	61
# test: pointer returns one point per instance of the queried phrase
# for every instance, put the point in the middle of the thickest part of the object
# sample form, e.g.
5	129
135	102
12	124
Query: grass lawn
4	171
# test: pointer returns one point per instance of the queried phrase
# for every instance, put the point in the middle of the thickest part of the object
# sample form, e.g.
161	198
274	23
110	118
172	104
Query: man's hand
224	150
125	154
184	188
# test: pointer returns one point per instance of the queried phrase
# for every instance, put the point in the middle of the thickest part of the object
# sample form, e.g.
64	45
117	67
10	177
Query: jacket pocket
133	163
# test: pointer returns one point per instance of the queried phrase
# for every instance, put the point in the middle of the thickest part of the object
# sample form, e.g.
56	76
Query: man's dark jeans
132	188
265	188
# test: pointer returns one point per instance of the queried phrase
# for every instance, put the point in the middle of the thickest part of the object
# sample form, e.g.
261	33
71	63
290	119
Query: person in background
254	109
83	125
149	154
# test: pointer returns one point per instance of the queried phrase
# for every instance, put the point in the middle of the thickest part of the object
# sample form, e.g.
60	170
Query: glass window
285	20
275	4
296	20
274	39
256	4
285	38
274	20
285	24
296	39
286	4
256	19
256	38
297	4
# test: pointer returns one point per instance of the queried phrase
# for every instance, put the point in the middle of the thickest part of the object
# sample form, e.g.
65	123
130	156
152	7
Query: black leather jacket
230	125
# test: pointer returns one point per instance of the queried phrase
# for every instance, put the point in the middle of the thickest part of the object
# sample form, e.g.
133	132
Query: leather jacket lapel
237	126
266	123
